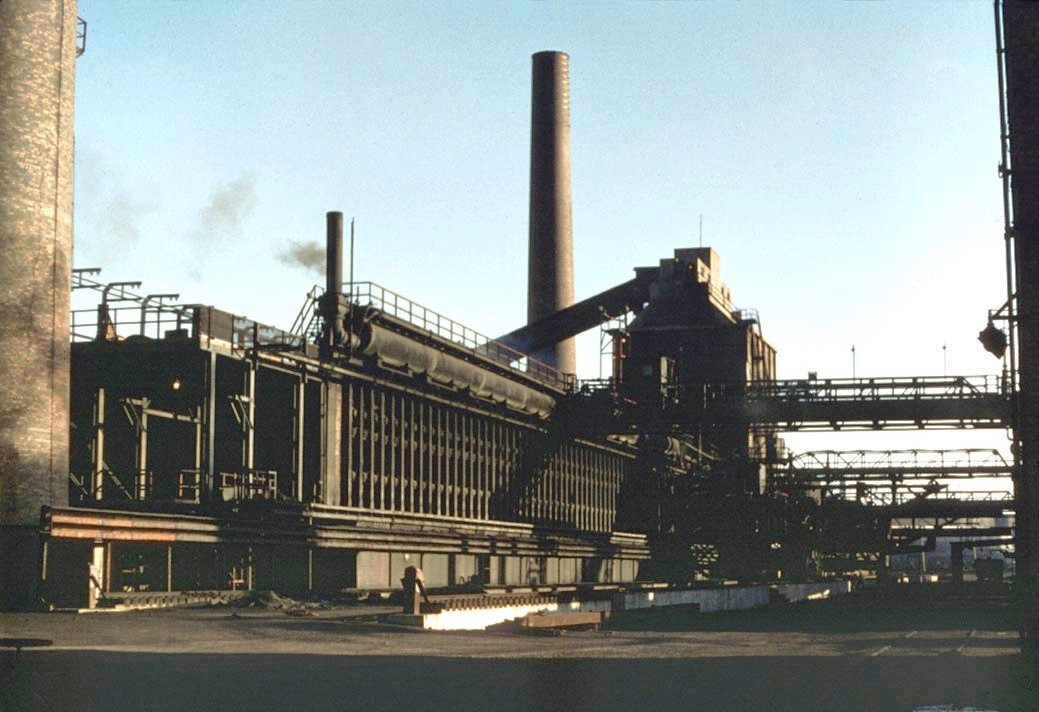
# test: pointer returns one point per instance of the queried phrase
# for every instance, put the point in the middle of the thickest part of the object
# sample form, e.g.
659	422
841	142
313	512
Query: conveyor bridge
879	403
946	402
822	467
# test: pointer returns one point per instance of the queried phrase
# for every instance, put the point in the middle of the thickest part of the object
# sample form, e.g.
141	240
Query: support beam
331	441
1020	30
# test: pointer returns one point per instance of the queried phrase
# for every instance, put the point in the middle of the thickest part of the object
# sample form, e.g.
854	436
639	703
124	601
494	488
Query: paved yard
837	655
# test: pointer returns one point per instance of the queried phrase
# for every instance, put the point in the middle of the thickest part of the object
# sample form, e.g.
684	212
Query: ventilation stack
550	285
37	83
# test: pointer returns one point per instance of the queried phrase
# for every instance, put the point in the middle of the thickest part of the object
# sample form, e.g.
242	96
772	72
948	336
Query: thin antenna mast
352	255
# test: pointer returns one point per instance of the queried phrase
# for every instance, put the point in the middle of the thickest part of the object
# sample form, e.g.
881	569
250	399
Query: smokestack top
547	53
334	252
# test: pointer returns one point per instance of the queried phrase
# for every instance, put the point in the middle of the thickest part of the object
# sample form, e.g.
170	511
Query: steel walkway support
948	402
851	466
878	403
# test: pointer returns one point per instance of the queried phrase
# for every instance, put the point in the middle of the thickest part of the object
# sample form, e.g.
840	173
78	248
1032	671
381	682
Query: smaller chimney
334	253
333	304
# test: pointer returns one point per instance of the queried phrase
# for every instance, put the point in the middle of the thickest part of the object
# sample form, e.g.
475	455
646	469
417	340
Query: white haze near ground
843	157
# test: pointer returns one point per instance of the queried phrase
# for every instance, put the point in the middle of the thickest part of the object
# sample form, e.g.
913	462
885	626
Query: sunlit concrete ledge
708	600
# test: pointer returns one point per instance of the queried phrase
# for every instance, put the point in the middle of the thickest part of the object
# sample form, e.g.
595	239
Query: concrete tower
550	275
37	85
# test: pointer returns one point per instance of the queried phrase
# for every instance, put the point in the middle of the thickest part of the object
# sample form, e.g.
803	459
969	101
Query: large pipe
37	83
399	351
550	285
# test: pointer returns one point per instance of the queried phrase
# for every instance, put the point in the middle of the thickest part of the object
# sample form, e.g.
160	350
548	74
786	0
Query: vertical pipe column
37	76
550	275
98	454
298	434
1021	27
333	303
333	252
331	441
209	416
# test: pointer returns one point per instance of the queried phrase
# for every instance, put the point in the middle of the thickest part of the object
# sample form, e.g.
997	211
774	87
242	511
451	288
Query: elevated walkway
876	403
822	466
944	402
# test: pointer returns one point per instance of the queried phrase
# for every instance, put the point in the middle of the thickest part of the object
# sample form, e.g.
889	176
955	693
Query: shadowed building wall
37	83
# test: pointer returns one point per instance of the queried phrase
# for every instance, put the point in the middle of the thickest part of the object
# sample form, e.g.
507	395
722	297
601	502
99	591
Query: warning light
993	340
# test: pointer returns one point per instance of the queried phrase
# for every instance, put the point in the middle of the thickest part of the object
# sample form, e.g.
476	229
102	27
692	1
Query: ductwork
401	352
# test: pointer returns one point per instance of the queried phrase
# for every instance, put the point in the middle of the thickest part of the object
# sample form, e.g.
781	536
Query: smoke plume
119	220
228	207
309	255
108	214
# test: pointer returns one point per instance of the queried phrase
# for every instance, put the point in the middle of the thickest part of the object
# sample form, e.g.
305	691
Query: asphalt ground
855	654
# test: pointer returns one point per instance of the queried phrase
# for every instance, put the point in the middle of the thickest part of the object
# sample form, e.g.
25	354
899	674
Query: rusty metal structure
208	448
1017	29
209	451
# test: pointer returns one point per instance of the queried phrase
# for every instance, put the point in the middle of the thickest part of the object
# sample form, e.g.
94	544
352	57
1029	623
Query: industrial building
148	445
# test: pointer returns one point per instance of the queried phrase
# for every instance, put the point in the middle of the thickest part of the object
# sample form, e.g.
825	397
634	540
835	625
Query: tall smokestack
37	81
550	275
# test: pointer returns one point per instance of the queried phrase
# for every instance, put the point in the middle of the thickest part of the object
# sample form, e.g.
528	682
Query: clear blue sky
843	156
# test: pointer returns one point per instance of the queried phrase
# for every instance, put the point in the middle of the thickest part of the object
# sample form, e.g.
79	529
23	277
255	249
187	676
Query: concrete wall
373	569
333	570
709	600
478	619
37	76
465	567
385	569
730	598
794	592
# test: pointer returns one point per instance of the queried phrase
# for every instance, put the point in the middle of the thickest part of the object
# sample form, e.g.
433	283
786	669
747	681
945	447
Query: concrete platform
852	653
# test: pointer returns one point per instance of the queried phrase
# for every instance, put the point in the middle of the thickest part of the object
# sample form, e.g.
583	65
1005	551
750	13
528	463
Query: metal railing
307	313
587	386
935	494
190	484
249	334
860	389
835	464
118	323
122	313
746	315
834	389
81	36
251	484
